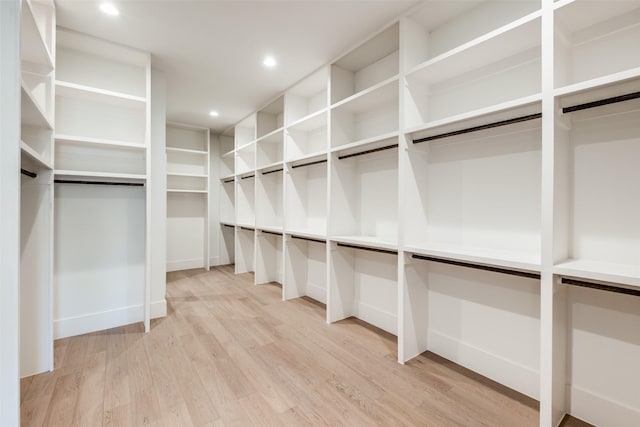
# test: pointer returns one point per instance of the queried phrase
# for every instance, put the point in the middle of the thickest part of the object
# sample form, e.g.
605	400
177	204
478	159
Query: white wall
9	212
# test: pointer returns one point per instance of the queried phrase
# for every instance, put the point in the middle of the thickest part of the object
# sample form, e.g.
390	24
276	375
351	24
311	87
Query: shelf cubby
31	112
439	28
182	161
269	198
39	88
363	284
245	200
305	268
227	244
227	164
246	159
36	142
598	329
186	139
95	158
186	182
245	131
500	70
36	35
368	116
101	65
597	225
227	201
227	142
364	194
270	149
307	97
590	38
269	257
306	201
486	321
371	63
270	118
476	196
187	230
245	250
307	137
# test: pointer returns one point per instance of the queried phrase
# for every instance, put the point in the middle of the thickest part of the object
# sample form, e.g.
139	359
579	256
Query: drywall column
157	195
9	212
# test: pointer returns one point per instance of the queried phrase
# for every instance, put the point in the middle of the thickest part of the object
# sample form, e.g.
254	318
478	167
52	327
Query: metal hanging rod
478	266
481	127
227	225
28	173
273	171
309	164
373	150
271	232
121	184
247	228
247	177
600	286
226	181
384	251
601	102
308	239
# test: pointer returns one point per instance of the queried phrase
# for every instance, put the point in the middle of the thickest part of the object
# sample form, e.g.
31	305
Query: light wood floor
233	354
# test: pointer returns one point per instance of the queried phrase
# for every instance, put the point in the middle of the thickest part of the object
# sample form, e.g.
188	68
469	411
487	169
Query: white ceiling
212	51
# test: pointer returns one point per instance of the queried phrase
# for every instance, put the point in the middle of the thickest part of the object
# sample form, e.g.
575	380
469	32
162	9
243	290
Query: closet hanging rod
600	286
273	171
226	181
122	184
247	228
275	233
364	248
481	127
247	177
28	173
309	164
601	102
478	266
308	239
227	225
373	150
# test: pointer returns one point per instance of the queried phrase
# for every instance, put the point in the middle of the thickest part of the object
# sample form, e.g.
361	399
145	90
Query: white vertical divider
552	405
148	209
330	246
10	212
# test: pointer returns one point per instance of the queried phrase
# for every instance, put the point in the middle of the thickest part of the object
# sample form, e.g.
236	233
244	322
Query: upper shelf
32	160
32	114
626	274
33	46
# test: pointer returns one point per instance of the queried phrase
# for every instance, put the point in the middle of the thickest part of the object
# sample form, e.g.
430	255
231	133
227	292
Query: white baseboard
92	322
508	372
379	318
600	410
184	264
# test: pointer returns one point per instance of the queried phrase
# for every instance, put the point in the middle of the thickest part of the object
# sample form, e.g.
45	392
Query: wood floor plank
230	353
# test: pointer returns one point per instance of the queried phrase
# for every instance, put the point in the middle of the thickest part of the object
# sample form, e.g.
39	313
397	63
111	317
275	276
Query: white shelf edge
269	166
228	154
229	223
186	150
598	82
271	228
308	117
34	156
366	241
476	256
270	134
245	146
311	156
306	233
366	141
42	116
475	42
562	3
188	175
179	190
228	177
98	141
593	270
365	92
481	112
60	84
90	174
245	225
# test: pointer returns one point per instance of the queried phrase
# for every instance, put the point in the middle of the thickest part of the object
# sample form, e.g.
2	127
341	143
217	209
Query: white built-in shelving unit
467	180
187	197
37	55
102	173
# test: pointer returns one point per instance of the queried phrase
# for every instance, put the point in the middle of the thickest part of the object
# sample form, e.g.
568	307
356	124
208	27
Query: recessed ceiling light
109	9
214	113
269	61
